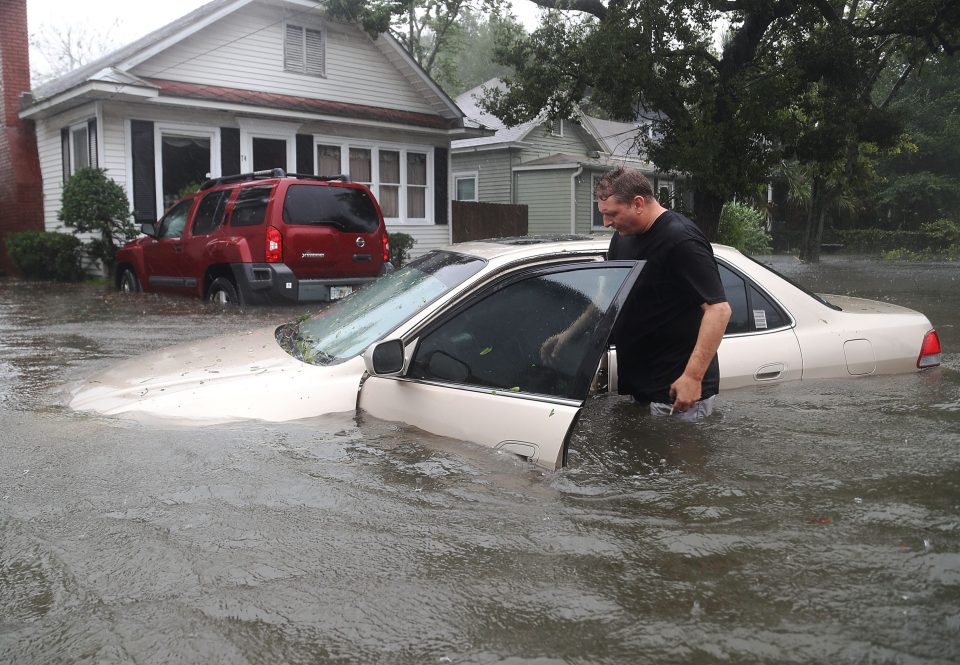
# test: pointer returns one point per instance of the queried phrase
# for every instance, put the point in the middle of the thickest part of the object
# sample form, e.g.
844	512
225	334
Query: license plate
337	292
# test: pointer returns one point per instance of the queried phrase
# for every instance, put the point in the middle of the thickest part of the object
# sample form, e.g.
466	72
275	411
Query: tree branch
593	7
896	86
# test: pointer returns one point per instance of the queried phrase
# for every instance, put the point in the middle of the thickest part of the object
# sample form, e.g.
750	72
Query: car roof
519	247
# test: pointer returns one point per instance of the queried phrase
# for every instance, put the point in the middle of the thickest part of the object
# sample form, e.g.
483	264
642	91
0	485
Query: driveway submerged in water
805	523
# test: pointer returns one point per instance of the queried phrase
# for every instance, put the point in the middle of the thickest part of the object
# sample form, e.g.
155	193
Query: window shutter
305	154
92	143
144	171
314	63
65	152
293	49
229	151
441	192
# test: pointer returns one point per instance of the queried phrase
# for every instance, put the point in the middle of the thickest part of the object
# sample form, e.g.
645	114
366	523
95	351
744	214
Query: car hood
235	377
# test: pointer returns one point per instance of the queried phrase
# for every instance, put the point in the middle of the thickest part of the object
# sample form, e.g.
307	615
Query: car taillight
274	245
386	249
929	351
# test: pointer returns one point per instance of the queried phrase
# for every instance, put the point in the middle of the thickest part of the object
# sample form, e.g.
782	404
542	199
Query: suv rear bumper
275	283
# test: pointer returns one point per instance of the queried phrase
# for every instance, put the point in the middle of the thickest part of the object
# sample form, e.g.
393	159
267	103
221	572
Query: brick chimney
21	187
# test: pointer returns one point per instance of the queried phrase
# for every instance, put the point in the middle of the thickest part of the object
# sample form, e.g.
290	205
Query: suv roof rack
270	173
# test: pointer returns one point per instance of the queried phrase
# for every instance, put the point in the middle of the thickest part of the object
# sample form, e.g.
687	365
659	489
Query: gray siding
575	141
493	173
547	195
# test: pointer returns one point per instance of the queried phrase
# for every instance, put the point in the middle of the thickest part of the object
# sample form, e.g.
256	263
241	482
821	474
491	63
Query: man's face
625	218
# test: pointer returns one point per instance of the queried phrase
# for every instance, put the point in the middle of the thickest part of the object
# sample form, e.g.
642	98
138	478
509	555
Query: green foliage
935	239
921	181
469	59
190	188
94	204
400	246
743	227
42	255
941	233
432	31
792	80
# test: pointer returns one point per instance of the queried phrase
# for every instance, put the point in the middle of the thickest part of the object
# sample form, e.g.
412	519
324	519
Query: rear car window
345	208
250	208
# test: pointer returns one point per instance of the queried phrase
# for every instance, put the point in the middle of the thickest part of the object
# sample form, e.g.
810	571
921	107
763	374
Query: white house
245	85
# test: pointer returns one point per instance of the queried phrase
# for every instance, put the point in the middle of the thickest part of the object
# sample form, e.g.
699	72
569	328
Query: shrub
42	255
743	227
95	204
941	233
400	245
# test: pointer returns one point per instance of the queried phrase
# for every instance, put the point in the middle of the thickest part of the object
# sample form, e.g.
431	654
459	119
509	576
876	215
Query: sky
126	20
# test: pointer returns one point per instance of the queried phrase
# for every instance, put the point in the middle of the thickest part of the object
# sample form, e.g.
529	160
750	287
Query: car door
162	256
197	239
478	373
760	345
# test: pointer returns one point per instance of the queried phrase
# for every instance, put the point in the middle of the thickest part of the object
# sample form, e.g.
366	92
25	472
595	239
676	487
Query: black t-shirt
661	320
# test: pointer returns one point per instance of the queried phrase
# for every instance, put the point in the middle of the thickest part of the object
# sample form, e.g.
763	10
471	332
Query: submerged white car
451	343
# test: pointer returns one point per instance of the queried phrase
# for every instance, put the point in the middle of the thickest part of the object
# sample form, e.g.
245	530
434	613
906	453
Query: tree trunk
813	233
707	207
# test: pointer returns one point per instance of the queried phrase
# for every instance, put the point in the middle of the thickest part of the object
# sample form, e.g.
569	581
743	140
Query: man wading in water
675	317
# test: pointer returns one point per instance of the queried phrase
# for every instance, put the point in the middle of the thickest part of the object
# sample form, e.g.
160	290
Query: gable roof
112	69
469	104
102	67
616	139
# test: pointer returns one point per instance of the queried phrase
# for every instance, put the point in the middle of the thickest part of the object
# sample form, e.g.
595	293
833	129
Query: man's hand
552	348
685	392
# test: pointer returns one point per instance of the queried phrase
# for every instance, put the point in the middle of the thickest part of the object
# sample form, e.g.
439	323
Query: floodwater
806	523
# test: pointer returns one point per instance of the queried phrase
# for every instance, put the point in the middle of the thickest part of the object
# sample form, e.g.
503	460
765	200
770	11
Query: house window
185	162
465	185
665	193
390	183
400	177
416	185
303	51
78	147
555	128
328	160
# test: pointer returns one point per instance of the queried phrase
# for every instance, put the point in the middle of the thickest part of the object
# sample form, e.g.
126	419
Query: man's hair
623	184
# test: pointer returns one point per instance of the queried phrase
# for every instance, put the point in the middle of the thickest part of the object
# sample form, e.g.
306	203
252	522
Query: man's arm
687	389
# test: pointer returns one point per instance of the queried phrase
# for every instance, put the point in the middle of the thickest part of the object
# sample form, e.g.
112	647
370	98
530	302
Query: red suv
261	237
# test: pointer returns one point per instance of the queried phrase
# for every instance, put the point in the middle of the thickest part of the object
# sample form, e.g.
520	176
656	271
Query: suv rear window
346	208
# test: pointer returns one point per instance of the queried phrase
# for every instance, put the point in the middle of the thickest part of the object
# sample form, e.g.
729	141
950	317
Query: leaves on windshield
300	347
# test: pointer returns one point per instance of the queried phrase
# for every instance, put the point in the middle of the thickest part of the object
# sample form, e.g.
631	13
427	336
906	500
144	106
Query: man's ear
638	203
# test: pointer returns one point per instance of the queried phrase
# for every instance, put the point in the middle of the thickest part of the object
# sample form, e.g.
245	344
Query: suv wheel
128	282
223	292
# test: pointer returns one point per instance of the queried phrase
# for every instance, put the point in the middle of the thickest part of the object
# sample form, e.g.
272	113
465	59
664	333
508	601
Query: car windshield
349	326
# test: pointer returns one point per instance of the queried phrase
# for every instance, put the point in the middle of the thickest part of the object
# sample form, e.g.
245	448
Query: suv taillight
386	249
929	351
274	245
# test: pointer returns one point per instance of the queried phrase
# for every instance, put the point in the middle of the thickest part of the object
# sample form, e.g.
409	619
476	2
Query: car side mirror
384	358
148	229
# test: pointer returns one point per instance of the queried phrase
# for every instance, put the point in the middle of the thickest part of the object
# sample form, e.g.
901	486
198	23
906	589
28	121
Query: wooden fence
476	221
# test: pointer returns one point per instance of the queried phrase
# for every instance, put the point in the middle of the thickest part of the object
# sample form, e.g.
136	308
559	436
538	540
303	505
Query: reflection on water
805	523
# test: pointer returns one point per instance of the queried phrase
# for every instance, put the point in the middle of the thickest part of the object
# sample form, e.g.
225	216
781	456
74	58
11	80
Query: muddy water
806	523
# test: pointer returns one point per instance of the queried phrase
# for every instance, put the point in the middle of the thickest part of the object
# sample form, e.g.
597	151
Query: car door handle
178	248
769	372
